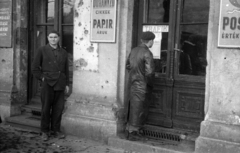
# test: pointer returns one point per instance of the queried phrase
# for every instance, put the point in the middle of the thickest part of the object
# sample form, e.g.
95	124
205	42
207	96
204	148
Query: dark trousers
52	108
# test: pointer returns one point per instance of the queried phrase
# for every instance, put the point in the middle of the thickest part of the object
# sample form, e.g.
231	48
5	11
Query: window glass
68	11
44	11
158	11
193	31
158	14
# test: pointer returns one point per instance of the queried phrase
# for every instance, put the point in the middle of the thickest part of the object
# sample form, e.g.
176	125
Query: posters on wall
229	24
157	30
5	23
103	20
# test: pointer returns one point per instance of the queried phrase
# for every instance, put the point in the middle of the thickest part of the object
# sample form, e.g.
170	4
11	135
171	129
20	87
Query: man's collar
53	47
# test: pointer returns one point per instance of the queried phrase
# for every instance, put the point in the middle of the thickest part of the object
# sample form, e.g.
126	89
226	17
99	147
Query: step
152	146
24	121
33	108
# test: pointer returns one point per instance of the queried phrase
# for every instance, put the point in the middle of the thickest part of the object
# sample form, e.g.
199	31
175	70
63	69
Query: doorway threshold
158	139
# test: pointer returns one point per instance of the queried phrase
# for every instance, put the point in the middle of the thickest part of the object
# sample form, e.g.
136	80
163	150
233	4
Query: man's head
147	38
53	38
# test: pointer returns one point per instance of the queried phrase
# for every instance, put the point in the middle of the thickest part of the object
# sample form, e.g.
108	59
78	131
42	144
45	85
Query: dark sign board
5	23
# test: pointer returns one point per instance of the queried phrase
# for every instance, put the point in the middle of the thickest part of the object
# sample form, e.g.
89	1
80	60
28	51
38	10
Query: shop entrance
47	15
179	50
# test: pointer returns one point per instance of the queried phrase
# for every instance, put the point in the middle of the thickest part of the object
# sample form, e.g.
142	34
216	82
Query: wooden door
47	15
181	29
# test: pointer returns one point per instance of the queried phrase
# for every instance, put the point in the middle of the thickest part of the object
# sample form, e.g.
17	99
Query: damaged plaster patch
80	63
80	3
90	49
85	52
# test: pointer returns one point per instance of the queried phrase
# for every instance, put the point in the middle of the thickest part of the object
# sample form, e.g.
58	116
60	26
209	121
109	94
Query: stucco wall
96	103
14	63
223	77
95	64
220	130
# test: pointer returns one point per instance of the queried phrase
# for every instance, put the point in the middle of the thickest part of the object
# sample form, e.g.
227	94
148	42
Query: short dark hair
54	31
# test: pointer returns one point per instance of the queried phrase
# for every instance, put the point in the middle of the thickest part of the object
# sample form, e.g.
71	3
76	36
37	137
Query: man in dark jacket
51	67
140	65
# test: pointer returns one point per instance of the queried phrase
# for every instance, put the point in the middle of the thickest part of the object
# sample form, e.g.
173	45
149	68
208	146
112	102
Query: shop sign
5	23
157	30
229	24
103	20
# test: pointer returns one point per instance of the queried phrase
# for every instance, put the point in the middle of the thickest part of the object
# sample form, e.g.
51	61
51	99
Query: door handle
179	50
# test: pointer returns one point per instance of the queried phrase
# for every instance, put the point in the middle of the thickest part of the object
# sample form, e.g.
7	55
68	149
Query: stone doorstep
150	146
25	122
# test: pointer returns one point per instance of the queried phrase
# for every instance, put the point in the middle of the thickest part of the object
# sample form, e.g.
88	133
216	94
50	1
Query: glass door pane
68	11
157	21
193	37
44	11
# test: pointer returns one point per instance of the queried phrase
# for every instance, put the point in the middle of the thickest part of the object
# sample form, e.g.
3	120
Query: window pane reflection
67	44
195	11
68	11
158	11
192	59
50	11
44	12
193	31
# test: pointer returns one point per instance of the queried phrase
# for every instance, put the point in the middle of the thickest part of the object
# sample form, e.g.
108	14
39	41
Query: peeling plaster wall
95	64
96	103
85	52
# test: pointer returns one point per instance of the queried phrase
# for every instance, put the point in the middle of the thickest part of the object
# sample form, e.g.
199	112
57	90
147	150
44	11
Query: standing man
140	66
51	67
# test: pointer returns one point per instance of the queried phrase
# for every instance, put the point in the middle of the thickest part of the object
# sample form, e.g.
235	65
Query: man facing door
140	65
50	65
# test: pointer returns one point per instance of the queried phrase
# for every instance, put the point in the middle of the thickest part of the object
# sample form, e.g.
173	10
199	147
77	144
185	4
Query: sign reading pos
229	24
103	20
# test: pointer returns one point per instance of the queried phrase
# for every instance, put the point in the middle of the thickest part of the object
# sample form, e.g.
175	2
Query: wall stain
80	3
80	63
79	24
86	32
90	49
76	14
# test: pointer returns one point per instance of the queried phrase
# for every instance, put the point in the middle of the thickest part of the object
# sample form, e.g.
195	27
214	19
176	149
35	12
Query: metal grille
161	135
37	113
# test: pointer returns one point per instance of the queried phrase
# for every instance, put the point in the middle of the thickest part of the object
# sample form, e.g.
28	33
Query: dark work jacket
140	65
54	70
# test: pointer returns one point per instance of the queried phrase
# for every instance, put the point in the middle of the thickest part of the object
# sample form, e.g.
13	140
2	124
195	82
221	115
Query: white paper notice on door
157	30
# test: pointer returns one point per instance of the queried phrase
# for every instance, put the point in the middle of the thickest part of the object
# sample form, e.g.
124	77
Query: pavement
18	140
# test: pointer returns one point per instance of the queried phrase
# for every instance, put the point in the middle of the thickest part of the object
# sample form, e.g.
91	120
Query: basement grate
37	113
161	135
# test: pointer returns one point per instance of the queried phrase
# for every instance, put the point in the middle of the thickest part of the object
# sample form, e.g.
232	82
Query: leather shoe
59	135
44	136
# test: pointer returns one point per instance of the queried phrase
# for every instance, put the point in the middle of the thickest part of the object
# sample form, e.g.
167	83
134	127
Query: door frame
171	82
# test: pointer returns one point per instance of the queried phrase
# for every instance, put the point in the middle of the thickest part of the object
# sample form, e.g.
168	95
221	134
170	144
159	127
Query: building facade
196	81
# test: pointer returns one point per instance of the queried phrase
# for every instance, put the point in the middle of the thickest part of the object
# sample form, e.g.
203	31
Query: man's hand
66	89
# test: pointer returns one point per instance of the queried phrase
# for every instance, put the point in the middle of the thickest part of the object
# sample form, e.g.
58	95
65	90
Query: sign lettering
229	24
103	20
5	23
